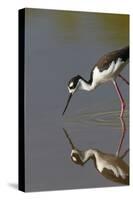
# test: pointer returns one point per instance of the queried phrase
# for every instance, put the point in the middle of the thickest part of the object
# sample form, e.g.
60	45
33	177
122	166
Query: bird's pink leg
123	131
127	82
123	105
124	154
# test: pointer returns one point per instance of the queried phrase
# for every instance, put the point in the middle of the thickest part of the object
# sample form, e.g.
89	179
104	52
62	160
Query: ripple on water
107	118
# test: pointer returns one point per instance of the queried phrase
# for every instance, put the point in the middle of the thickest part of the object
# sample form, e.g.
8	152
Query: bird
110	166
108	68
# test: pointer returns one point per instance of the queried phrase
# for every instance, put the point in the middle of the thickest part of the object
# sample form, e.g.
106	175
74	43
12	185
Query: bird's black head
72	85
77	159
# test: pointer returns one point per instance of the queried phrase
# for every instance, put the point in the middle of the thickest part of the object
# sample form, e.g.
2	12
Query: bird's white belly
103	164
108	74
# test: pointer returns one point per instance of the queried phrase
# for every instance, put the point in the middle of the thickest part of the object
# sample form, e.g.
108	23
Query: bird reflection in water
123	132
111	166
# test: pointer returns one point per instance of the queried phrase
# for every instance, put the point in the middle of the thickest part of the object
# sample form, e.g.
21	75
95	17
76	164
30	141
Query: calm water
62	45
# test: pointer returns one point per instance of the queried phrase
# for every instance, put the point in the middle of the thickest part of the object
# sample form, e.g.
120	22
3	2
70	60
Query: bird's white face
72	87
76	158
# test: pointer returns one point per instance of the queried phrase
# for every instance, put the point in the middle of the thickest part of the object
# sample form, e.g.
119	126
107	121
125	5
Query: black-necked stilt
110	166
108	68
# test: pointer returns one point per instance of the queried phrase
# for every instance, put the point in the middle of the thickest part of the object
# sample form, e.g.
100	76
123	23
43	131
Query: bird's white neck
89	154
84	85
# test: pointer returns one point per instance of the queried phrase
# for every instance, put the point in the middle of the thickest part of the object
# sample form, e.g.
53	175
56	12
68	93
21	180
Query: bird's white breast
107	74
103	164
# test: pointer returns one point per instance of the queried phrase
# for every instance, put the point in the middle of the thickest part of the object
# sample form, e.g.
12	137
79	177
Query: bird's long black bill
69	98
70	141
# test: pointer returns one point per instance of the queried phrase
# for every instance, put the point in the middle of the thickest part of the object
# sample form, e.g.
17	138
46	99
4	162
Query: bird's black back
105	61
